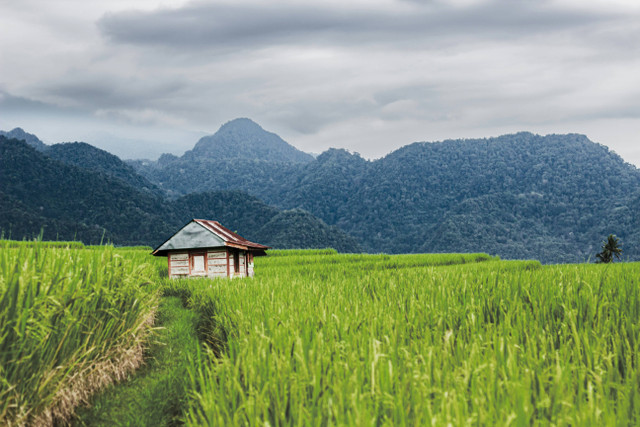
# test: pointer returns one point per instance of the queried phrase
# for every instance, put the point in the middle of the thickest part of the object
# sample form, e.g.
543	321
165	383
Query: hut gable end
193	235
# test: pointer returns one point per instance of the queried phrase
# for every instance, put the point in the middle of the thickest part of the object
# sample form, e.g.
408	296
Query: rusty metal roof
202	233
227	235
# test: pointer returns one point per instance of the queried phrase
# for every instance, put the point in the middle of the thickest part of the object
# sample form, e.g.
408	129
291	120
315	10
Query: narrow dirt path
157	394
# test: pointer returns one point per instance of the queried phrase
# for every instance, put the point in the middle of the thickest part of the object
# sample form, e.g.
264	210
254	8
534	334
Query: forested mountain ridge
87	156
93	196
519	196
72	202
550	197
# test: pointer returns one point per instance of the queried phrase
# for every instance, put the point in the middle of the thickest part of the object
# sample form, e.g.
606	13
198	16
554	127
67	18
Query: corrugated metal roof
227	235
189	238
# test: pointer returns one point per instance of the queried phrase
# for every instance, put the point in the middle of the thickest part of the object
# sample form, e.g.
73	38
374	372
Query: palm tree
610	249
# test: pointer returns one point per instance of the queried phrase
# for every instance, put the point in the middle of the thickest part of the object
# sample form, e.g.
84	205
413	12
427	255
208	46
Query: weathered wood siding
211	263
217	263
178	264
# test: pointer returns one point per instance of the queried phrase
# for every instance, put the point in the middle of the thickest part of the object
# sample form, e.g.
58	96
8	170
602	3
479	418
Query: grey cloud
13	107
308	117
16	104
224	26
403	93
98	92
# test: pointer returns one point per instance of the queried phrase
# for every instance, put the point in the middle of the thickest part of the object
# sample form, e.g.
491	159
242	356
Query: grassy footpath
156	394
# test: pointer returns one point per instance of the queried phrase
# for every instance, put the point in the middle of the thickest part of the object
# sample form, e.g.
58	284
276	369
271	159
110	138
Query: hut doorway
198	263
236	261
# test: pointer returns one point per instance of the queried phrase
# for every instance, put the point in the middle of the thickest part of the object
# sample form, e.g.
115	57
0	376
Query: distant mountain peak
339	155
19	134
244	139
241	123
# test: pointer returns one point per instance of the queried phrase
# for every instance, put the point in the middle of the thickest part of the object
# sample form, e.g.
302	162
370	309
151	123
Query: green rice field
72	320
321	338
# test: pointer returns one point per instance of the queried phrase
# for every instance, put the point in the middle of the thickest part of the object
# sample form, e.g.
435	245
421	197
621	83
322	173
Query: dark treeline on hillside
104	200
552	198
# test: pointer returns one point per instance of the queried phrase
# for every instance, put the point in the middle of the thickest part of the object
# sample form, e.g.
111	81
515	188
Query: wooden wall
217	263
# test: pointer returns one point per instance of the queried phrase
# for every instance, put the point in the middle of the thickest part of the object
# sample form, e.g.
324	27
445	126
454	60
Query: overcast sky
143	77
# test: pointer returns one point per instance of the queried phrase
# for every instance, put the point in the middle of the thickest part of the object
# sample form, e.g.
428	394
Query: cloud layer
368	76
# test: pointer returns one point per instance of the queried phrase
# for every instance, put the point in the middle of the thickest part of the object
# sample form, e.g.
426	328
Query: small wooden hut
205	248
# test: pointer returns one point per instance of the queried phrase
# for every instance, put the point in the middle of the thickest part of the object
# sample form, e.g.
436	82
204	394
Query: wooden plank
180	270
180	263
179	256
216	255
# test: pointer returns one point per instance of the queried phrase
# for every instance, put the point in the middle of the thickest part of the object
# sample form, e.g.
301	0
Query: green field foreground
72	321
491	343
320	338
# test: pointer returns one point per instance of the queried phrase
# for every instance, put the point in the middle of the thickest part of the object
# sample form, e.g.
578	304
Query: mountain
17	221
552	198
182	176
259	222
29	138
67	202
87	156
78	192
238	211
518	196
239	156
297	228
244	139
325	187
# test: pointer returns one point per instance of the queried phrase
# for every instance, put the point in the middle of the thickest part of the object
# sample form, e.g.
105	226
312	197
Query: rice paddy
72	321
320	338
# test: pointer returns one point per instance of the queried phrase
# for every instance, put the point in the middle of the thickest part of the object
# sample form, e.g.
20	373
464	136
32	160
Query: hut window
236	261
198	263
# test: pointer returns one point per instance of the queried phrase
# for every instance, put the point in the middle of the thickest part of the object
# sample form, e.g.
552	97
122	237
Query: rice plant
71	321
313	342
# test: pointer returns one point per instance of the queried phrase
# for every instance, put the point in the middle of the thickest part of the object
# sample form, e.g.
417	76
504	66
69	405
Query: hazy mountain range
553	198
74	191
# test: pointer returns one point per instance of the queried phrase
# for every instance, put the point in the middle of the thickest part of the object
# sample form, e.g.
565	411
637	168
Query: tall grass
296	252
40	244
495	343
71	321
